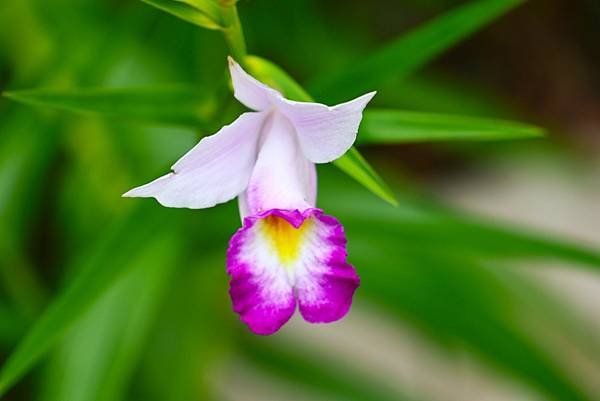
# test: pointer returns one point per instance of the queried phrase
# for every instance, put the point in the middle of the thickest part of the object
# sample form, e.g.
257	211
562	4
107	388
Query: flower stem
234	35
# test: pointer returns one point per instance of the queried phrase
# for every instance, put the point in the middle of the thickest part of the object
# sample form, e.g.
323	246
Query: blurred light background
481	285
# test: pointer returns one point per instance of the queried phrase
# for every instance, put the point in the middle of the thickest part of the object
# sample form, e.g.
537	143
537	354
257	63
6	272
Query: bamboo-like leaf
428	227
272	75
426	265
209	7
118	326
197	12
183	106
179	105
459	303
355	165
395	126
317	374
408	53
352	163
106	261
153	285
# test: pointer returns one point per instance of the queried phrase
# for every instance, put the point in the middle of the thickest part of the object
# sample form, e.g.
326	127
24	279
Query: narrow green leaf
193	11
355	165
462	304
152	283
427	227
408	53
208	7
395	126
106	261
195	313
12	325
24	166
272	75
178	105
188	107
315	373
428	266
118	326
352	163
17	275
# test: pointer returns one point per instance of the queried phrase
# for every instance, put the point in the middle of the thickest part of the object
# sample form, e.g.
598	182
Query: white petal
310	183
249	91
325	133
214	171
282	178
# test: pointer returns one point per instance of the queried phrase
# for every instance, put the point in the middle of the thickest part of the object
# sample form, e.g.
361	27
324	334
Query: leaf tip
392	200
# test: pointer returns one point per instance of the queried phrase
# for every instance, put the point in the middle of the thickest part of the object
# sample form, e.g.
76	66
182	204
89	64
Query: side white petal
249	91
325	133
282	177
214	171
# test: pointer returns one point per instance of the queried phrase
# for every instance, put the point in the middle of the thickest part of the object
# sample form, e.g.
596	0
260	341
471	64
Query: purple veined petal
325	133
282	177
249	91
326	282
281	257
214	171
261	290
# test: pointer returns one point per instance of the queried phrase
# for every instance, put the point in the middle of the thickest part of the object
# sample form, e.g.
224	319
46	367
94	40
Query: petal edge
214	171
325	133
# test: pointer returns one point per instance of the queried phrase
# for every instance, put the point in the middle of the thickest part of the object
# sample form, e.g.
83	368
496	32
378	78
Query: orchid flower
287	252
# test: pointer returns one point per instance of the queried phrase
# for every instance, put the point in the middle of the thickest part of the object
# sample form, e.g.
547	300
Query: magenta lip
336	278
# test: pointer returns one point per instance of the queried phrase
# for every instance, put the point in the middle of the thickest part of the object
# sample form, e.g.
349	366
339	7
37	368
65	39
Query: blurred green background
481	284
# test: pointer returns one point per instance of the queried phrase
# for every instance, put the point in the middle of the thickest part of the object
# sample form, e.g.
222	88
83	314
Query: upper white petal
249	91
325	133
214	171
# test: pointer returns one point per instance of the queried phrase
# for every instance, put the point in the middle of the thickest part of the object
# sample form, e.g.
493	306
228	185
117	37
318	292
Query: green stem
234	35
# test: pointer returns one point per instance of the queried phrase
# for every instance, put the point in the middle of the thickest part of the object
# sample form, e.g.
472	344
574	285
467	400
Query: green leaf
177	105
196	313
355	165
272	75
188	107
24	167
428	266
352	163
209	7
197	12
313	372
408	53
106	261
151	283
118	326
395	126
462	304
427	227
